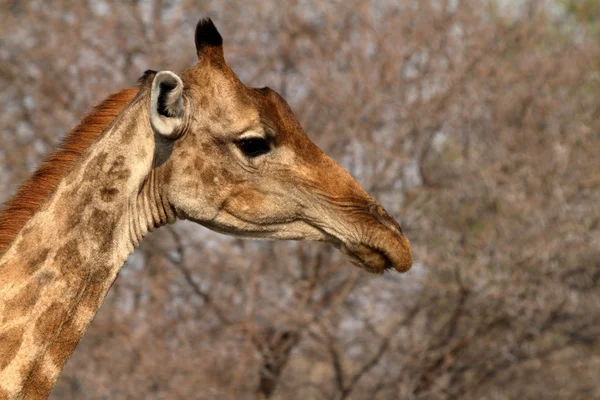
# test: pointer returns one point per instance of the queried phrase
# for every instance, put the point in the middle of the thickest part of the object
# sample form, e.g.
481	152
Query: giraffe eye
254	147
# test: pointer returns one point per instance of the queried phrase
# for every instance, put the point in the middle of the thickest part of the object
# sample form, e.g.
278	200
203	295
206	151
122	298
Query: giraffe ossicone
144	158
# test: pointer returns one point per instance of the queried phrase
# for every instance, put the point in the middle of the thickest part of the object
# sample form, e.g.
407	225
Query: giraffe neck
60	266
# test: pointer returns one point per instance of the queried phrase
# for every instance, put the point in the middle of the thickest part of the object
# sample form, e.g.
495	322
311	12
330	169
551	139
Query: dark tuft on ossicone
147	77
207	35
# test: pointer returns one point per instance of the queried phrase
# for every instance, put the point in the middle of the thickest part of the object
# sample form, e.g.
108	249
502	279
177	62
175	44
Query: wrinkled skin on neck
288	189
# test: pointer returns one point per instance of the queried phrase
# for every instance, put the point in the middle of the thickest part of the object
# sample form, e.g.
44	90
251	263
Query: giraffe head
235	159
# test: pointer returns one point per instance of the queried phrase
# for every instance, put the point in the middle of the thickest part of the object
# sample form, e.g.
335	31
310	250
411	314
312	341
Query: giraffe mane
35	190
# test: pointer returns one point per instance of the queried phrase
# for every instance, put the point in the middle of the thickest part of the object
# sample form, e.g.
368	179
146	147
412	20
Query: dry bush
474	123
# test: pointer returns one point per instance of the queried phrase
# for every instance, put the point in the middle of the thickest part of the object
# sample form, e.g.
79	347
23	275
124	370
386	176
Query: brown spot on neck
50	321
37	385
10	342
96	288
108	195
26	299
36	261
103	224
65	343
69	261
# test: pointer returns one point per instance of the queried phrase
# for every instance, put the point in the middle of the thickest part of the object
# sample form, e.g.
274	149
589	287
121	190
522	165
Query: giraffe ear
166	104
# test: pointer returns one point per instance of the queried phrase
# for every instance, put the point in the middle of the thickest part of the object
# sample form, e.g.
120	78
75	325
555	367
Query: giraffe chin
376	260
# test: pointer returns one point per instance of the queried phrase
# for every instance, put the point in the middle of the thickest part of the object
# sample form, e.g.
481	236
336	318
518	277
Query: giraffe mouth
374	259
375	243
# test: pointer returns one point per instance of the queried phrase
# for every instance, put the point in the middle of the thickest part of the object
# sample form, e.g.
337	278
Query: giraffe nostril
384	218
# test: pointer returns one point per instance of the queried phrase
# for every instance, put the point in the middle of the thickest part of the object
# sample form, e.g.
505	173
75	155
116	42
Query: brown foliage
476	125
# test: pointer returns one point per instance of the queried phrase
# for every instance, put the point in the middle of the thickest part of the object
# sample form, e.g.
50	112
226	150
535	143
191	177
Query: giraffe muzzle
382	245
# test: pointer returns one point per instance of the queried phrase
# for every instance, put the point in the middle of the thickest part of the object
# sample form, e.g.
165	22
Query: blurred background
475	123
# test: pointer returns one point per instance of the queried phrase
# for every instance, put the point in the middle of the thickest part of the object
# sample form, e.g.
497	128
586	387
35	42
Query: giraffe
200	146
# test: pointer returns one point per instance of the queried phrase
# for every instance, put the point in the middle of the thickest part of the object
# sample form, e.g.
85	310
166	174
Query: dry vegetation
476	125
